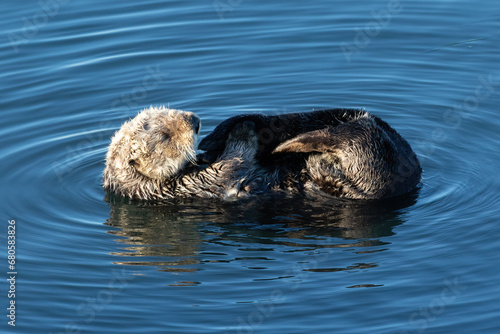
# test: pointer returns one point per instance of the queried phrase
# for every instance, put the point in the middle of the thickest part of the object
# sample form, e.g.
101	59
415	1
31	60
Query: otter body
342	152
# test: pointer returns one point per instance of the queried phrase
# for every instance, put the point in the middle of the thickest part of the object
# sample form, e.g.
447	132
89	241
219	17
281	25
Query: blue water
74	71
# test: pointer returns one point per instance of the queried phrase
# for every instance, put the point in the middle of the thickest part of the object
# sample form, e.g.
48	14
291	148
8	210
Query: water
73	72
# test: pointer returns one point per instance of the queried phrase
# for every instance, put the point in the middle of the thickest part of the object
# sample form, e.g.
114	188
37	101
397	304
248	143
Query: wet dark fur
342	152
274	130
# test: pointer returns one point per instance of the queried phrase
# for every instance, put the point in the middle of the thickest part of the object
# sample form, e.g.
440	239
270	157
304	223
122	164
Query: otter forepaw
242	141
243	132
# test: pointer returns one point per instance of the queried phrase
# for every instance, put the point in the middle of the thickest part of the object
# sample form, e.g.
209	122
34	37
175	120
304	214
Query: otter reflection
182	234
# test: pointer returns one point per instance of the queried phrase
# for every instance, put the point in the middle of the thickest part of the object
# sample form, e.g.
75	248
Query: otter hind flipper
364	158
325	140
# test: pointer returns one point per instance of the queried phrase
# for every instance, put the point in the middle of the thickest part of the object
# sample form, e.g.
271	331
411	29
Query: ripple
270	265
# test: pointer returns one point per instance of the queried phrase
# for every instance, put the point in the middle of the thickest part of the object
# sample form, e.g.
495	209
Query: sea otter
343	152
153	156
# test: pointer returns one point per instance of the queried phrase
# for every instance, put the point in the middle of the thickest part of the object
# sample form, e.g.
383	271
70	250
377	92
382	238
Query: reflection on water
186	235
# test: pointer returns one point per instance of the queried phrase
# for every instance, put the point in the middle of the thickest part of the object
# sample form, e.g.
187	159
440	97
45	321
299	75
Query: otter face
156	144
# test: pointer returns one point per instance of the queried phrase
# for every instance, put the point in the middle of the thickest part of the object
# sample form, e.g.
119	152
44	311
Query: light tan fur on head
147	150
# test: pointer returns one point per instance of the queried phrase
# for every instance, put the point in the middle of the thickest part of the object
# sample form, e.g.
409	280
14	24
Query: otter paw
243	132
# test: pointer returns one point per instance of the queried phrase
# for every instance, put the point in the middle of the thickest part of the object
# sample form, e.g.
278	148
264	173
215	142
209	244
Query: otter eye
165	136
132	162
145	126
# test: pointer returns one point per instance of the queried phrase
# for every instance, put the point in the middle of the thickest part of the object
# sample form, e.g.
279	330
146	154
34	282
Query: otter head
149	149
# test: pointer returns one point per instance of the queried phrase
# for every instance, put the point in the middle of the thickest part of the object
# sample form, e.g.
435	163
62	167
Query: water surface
87	263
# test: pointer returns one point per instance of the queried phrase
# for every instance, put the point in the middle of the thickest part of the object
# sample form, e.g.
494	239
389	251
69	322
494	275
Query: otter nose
195	121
